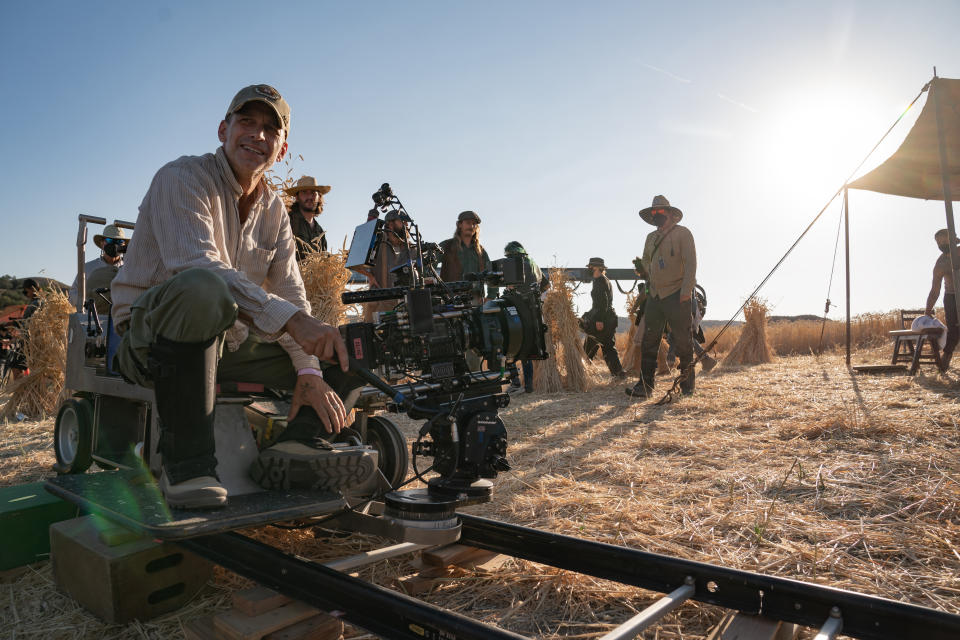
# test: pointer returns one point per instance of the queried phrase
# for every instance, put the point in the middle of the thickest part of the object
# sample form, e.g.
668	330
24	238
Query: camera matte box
26	513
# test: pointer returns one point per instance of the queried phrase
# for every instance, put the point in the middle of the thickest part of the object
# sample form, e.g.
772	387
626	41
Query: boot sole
333	471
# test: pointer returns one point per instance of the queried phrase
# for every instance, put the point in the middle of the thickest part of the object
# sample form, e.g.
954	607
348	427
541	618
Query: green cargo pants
195	306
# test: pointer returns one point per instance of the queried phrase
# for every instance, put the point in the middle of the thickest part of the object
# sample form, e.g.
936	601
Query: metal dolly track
394	615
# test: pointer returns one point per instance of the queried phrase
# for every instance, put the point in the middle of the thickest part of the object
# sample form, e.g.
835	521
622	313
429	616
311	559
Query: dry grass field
795	468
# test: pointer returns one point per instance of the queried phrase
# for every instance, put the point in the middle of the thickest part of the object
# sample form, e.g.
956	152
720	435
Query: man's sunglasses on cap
654	212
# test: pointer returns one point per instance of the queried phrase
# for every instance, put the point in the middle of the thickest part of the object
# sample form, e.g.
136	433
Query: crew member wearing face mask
670	261
942	271
101	271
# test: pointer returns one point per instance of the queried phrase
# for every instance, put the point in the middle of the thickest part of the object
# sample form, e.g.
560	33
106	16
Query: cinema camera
424	339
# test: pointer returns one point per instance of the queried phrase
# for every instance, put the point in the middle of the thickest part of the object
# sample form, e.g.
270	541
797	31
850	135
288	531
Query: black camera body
416	353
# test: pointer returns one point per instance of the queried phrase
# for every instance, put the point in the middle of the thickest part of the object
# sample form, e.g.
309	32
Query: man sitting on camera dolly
214	260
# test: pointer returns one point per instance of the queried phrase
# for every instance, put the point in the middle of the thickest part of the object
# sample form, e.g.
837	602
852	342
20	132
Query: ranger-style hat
596	262
266	94
307	182
109	231
468	215
660	205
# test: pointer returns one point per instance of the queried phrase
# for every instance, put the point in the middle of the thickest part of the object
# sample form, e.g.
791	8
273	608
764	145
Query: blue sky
555	121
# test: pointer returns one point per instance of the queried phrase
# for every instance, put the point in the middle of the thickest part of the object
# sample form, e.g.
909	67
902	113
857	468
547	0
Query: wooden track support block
258	600
319	627
457	554
138	579
263	613
740	626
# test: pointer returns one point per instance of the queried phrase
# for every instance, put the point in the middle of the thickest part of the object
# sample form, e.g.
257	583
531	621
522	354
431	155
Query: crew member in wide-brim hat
670	264
600	322
660	205
307	206
100	271
307	182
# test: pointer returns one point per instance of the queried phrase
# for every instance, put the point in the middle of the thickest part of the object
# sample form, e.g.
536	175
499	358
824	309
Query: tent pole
947	196
846	242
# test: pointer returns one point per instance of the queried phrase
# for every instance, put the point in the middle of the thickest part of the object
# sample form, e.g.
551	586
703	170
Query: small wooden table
913	341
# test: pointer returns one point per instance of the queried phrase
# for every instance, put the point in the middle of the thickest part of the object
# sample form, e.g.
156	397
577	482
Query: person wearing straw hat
100	272
670	261
214	260
942	272
600	322
307	206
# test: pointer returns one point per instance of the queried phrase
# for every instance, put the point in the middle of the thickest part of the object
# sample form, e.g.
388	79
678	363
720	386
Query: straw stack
546	375
45	348
752	347
565	331
630	353
325	279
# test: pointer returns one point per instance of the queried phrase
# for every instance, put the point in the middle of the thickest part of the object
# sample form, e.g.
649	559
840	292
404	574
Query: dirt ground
797	468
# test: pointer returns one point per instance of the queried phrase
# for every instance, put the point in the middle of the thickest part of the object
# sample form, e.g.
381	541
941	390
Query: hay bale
565	331
630	347
546	375
325	279
752	347
45	348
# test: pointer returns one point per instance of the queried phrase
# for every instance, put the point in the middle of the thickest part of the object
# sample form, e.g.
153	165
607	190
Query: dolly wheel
72	436
384	436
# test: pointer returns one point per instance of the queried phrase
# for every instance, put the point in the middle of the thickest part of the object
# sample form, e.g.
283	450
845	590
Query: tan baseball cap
266	94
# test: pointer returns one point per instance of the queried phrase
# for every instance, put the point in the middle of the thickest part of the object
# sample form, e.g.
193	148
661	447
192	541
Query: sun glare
818	139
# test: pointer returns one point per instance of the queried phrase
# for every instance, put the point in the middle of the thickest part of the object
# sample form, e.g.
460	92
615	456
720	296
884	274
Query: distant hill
11	288
793	318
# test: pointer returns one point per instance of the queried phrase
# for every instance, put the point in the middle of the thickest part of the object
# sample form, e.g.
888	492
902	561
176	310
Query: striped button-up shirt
190	218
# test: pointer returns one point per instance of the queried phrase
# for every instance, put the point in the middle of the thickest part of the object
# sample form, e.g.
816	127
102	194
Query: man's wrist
310	371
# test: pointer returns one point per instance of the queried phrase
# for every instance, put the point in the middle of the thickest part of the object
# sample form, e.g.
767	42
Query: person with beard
307	206
942	271
101	271
670	260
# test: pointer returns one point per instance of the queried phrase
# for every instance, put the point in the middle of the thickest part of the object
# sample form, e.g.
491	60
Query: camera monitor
364	245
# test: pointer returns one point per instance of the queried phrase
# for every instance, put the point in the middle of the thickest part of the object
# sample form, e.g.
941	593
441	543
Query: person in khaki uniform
670	260
211	290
